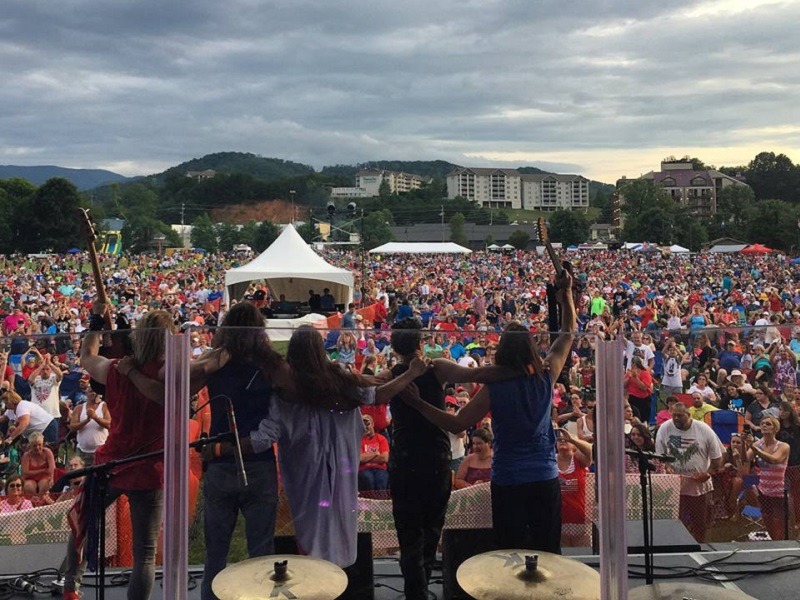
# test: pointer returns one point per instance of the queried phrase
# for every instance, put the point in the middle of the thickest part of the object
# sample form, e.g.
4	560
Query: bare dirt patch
276	211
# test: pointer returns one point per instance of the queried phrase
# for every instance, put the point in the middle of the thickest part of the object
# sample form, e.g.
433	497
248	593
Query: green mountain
241	163
426	168
83	179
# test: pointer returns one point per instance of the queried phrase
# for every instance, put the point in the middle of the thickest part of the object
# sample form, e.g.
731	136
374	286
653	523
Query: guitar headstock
87	226
541	231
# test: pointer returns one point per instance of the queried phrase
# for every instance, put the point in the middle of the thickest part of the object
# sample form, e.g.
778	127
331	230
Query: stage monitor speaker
457	546
360	576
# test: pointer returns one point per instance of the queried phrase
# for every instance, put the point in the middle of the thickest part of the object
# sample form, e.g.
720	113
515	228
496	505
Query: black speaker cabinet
360	580
457	546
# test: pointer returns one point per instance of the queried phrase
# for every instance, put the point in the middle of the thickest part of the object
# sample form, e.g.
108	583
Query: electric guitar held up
91	238
558	264
114	345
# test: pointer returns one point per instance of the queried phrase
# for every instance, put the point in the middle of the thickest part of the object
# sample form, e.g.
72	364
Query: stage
748	556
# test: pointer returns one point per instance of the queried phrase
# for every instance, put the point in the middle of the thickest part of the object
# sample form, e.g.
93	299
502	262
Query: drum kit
497	575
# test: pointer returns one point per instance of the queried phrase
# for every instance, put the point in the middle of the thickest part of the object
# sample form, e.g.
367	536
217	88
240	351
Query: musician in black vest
243	369
419	467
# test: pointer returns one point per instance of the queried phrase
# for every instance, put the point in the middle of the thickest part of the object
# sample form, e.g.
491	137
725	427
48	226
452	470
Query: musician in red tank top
137	427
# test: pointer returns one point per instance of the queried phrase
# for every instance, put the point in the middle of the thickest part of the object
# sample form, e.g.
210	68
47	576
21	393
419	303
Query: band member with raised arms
526	494
137	427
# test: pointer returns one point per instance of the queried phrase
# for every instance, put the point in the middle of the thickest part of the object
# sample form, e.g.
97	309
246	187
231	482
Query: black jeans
528	515
419	503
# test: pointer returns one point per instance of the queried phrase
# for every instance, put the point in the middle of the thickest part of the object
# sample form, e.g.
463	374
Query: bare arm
203	367
584	455
781	454
97	366
561	348
104	421
467	416
75	423
150	388
447	370
384	393
19	427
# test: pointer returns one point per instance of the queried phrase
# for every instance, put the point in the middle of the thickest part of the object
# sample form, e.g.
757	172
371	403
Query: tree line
36	219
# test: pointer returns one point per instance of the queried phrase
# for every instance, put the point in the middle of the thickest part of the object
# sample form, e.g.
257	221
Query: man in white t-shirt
27	417
761	325
635	347
44	387
698	453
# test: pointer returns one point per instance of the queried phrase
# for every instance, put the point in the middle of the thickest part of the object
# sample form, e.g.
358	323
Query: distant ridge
83	179
260	167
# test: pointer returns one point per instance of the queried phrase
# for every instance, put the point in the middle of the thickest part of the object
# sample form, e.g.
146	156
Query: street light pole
294	212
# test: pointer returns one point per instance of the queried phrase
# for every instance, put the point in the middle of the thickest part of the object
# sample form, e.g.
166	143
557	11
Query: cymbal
685	591
512	575
302	577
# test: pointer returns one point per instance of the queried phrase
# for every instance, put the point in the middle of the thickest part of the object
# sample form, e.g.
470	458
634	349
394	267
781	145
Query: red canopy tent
756	249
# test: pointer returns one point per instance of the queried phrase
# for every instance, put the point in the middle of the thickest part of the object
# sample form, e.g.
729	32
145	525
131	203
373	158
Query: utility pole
294	213
442	215
183	208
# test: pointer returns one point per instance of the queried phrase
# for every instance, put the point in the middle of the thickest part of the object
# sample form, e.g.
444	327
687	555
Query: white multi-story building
370	180
508	188
553	192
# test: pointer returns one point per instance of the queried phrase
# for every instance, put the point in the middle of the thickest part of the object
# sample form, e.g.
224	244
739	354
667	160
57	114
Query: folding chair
751	513
725	423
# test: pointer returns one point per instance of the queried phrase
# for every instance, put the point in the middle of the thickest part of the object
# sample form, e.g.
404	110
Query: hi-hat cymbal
511	575
685	591
305	578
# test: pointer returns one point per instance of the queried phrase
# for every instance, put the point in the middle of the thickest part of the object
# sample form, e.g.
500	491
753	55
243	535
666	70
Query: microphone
237	446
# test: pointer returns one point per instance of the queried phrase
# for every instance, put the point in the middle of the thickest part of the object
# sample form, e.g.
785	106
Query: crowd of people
706	334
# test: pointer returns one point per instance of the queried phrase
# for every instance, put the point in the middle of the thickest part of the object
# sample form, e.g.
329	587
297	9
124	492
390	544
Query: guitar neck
554	257
98	280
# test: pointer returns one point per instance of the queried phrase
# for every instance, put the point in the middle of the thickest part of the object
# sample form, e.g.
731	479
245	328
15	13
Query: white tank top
92	435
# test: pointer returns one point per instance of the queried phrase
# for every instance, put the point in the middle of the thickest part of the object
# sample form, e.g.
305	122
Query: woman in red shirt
638	387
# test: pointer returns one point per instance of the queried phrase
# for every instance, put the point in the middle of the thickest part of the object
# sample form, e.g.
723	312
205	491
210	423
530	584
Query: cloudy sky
600	87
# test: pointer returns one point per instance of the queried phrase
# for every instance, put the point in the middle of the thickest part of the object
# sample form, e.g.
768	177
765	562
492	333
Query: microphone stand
643	459
103	476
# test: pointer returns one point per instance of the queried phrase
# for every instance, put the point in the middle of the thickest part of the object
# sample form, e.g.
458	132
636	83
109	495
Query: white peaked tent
289	266
676	249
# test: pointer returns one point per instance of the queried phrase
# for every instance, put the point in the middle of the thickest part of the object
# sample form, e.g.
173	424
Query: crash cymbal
527	575
280	576
685	591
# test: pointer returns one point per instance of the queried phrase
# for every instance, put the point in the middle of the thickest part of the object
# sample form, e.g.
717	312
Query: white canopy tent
420	248
676	249
290	267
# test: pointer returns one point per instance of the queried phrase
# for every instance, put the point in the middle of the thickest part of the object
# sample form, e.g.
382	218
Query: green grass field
529	216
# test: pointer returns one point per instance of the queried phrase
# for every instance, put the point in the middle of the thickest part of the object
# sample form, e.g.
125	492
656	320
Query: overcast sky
604	88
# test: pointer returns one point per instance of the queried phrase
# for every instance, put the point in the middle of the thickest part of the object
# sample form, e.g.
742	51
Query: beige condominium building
508	188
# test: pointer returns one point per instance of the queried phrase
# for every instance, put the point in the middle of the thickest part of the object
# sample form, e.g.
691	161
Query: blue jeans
50	432
223	499
147	507
373	479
